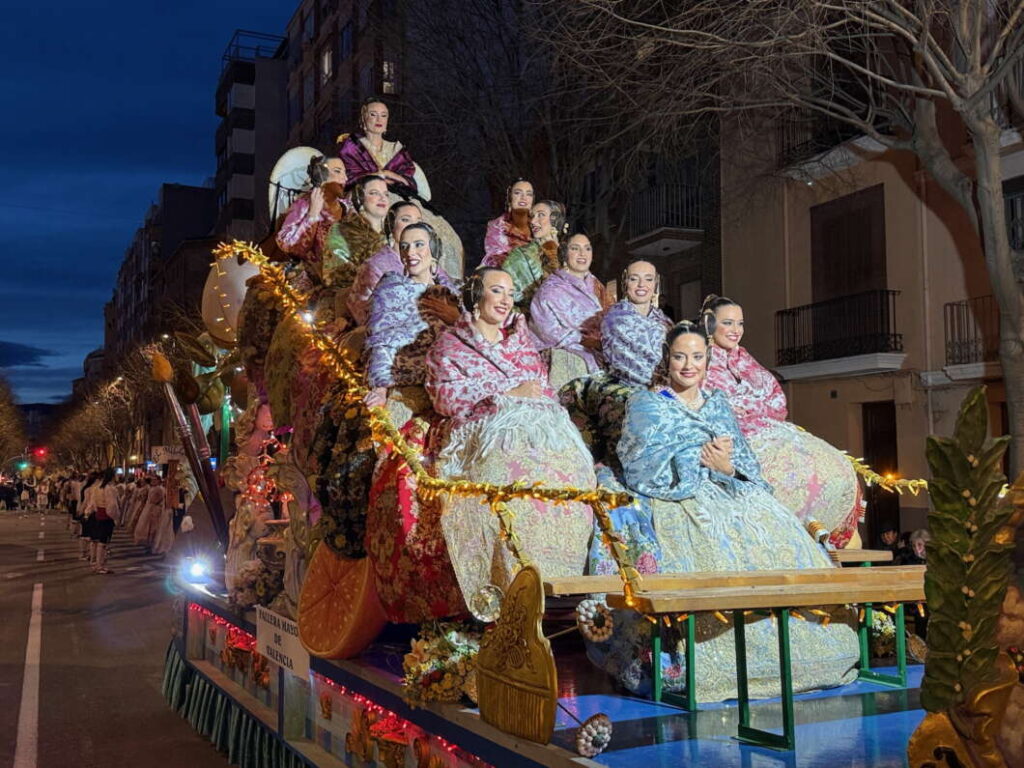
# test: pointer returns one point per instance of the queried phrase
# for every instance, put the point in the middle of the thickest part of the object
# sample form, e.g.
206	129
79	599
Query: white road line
26	750
39	556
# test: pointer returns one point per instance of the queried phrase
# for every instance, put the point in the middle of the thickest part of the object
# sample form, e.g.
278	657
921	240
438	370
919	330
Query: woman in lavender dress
564	313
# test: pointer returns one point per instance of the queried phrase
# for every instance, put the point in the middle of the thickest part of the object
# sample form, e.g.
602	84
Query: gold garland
887	482
427	486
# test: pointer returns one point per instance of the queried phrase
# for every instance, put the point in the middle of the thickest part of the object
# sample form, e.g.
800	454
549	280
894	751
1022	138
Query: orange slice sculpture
339	613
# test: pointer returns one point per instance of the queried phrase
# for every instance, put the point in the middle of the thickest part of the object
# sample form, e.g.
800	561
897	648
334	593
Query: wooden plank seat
863	556
678	597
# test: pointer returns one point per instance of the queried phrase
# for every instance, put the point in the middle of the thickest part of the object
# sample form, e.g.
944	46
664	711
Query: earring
476	313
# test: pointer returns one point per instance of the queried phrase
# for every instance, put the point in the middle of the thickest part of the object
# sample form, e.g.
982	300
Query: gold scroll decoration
964	736
518	684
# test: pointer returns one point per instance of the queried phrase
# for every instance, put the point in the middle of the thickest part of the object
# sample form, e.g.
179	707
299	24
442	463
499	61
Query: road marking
26	750
39	556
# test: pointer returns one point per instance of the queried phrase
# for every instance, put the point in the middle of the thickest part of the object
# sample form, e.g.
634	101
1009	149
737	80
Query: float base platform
350	713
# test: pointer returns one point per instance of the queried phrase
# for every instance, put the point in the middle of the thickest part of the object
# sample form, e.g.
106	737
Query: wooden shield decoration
518	684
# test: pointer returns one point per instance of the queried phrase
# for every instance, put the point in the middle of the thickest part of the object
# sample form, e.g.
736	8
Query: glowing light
197	570
308	317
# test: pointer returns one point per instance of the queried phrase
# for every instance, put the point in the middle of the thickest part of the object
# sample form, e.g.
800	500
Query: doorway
879	432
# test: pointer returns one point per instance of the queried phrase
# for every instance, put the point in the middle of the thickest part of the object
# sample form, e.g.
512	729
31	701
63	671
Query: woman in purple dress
512	229
368	153
564	313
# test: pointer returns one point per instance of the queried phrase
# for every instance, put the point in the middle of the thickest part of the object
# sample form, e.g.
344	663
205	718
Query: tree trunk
1005	288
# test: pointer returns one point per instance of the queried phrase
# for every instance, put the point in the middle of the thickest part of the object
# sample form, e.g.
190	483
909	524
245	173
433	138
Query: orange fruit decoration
339	613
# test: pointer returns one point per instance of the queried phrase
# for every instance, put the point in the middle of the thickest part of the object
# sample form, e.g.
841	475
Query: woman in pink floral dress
809	476
486	377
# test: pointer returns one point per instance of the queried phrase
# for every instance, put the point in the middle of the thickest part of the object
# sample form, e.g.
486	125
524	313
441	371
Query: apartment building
864	287
251	104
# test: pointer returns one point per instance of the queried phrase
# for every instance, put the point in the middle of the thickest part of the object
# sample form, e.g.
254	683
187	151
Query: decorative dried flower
594	736
595	620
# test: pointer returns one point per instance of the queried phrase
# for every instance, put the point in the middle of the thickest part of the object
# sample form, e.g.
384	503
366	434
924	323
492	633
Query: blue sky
102	103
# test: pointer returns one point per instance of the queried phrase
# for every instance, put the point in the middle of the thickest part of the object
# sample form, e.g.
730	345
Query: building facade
864	286
250	102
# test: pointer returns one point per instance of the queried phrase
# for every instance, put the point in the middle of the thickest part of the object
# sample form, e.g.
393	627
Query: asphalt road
102	648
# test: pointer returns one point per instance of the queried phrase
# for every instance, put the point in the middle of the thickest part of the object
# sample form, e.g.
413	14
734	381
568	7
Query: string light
384	432
889	481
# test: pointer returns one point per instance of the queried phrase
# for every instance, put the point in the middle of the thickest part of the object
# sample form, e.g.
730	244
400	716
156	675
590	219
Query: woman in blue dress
703	506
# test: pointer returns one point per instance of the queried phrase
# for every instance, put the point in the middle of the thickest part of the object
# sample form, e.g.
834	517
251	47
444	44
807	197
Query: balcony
665	219
972	339
845	336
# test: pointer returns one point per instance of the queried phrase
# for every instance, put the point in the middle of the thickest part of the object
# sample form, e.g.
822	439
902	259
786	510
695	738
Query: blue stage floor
861	724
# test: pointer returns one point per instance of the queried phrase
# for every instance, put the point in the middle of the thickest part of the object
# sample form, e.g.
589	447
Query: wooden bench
678	597
863	556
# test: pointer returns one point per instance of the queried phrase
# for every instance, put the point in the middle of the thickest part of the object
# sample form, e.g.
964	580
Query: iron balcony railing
972	331
665	205
859	324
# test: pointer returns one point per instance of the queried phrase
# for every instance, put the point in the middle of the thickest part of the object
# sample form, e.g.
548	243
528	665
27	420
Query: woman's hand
316	204
717	455
531	388
376	397
445	311
393	178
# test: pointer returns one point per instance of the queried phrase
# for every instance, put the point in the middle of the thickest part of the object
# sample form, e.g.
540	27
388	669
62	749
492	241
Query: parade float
331	630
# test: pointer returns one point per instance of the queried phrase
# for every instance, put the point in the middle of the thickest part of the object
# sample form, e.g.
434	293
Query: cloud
21	354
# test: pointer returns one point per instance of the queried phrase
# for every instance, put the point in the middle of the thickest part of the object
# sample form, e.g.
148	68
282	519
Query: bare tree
12	424
488	100
890	70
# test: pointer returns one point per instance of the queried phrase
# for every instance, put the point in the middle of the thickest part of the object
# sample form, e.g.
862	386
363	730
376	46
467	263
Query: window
848	245
345	41
308	91
294	108
308	27
389	77
1013	200
326	65
366	81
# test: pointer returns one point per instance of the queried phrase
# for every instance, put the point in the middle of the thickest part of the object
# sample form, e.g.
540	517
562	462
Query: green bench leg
745	733
899	680
689	701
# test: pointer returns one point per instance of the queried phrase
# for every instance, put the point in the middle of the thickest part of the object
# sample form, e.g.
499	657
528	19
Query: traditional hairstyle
563	246
710	307
317	170
358	195
508	191
681	328
389	220
107	477
364	108
433	241
559	222
625	274
473	288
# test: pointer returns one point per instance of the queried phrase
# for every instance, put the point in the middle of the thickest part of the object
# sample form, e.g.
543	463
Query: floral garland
256	584
442	664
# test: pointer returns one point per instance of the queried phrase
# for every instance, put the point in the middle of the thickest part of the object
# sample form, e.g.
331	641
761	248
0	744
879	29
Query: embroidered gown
691	519
360	161
563	305
501	438
503	236
809	476
413	573
368	276
631	345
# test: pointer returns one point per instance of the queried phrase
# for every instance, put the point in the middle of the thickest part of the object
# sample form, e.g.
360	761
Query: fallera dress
563	306
810	477
500	438
689	518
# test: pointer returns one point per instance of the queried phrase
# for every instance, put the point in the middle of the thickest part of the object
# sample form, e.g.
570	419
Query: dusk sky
102	103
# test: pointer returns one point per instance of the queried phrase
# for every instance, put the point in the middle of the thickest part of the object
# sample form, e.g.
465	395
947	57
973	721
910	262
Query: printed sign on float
277	638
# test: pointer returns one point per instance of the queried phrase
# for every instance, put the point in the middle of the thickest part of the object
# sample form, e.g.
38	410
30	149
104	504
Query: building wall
932	257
